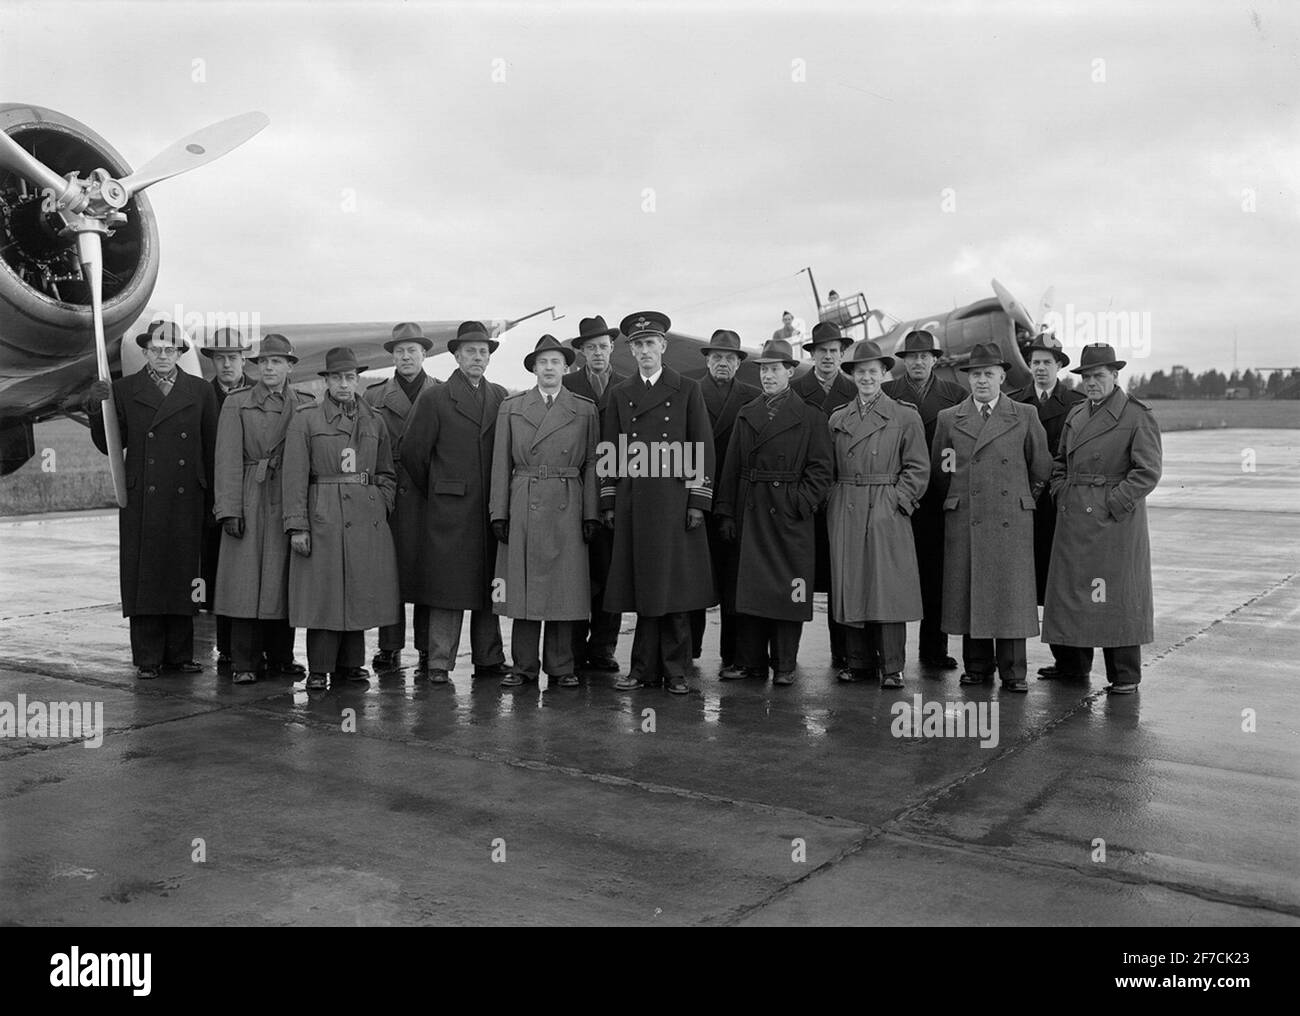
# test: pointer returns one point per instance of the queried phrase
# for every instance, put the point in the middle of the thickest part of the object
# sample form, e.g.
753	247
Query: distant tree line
1181	383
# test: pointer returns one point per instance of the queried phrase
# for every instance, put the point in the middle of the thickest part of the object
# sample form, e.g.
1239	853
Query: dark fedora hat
275	344
472	331
592	328
827	331
985	354
646	322
1046	342
339	359
1098	354
724	341
225	340
170	331
920	340
549	344
864	352
408	331
777	351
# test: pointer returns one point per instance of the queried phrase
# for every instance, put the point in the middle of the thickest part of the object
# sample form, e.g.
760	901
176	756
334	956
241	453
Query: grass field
68	473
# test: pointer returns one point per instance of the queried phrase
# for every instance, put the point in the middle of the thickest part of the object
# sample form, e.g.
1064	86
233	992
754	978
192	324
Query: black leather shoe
187	667
317	681
245	677
359	675
839	663
290	669
891	681
972	679
1049	672
1121	689
853	675
939	662
147	673
604	663
386	659
439	677
497	670
224	664
678	686
783	677
422	668
1015	684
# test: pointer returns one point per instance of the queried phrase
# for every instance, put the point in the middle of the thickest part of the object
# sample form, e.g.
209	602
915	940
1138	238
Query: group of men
593	494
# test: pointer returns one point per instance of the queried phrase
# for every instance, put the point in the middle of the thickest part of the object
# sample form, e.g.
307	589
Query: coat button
1004	493
1005	524
347	525
183	434
151	462
1088	510
180	490
850	455
666	419
151	433
776	483
152	489
771	511
181	462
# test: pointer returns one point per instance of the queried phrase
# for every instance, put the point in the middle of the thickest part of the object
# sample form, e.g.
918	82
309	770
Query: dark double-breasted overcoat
841	393
882	467
169	444
658	567
1099	582
776	473
989	473
253	577
349	581
447	451
544	483
1051	414
407	518
600	551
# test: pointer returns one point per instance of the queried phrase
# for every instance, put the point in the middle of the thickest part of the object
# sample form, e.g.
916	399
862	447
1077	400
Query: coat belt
1094	479
769	475
362	478
272	463
870	479
549	472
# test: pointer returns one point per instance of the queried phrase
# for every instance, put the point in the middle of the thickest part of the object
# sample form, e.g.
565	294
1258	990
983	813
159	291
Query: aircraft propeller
91	208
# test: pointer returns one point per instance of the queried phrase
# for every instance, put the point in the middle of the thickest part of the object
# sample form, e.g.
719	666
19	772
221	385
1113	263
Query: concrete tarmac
403	803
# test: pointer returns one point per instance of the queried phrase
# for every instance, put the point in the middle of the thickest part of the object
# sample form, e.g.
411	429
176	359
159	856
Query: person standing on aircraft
393	399
661	566
447	451
1053	401
544	510
168	423
778	469
595	640
989	461
252	587
787	330
724	394
1099	581
227	353
338	488
928	395
881	470
825	387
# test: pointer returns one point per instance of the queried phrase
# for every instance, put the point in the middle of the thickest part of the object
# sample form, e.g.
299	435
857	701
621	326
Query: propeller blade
1014	308
90	252
200	148
15	158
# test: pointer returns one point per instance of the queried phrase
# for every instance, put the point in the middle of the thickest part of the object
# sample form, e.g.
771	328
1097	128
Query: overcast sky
1123	183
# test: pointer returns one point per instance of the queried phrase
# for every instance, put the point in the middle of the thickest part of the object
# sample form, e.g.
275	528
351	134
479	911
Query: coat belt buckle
541	473
365	478
1099	481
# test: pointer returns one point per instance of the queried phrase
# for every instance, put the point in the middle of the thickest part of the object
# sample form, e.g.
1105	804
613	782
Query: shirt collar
653	378
992	403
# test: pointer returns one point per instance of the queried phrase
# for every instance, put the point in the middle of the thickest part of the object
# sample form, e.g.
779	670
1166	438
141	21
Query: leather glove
694	518
607	517
727	529
590	527
96	394
501	530
233	527
301	543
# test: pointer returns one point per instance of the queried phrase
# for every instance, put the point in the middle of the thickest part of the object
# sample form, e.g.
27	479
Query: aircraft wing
683	355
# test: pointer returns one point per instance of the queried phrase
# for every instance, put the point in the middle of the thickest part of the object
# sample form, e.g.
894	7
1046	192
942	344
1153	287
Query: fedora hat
985	354
592	328
339	359
724	341
777	351
472	331
226	340
168	330
827	331
1098	354
548	344
646	322
408	331
275	344
864	352
1046	342
920	340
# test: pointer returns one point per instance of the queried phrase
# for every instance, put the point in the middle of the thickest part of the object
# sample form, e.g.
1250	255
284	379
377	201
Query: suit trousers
726	638
444	638
981	656
331	651
1123	663
878	646
160	640
762	641
557	648
661	647
393	636
250	638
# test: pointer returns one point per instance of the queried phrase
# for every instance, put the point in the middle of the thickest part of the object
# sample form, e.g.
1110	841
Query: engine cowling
44	303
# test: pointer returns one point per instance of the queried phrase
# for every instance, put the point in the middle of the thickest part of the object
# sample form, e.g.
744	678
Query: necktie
985	410
549	400
648	384
598	384
164	385
1042	396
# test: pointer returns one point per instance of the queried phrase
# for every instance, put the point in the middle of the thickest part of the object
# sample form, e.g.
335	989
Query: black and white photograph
725	464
